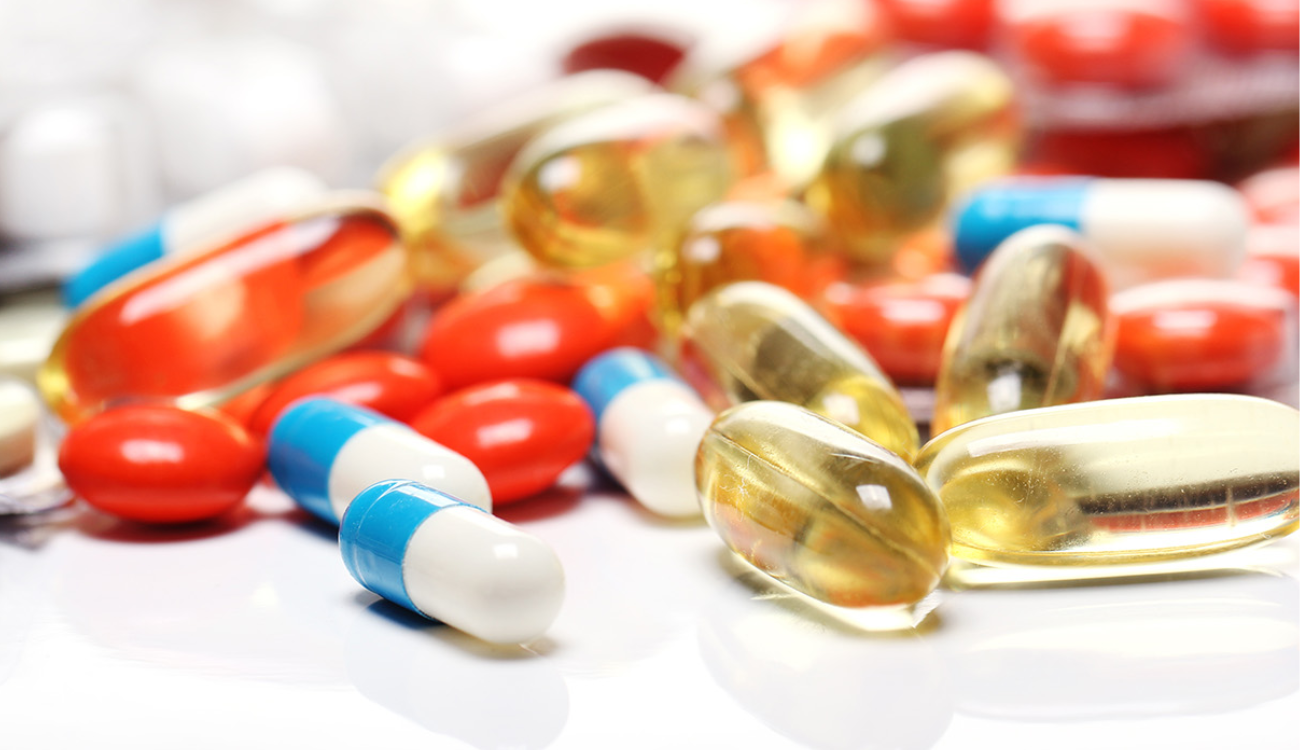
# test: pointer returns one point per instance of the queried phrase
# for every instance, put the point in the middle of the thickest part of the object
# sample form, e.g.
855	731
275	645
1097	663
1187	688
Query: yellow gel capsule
1118	482
617	181
198	329
443	190
778	90
819	508
1035	331
752	341
927	131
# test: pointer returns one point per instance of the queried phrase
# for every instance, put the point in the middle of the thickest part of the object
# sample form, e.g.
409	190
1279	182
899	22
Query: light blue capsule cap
377	528
994	212
303	443
114	262
609	374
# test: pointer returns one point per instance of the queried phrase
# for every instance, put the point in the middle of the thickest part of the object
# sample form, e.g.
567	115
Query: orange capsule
1200	334
624	294
199	329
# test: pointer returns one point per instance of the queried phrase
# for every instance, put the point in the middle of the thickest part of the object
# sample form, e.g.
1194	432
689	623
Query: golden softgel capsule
907	145
1035	331
617	181
819	508
753	341
1116	482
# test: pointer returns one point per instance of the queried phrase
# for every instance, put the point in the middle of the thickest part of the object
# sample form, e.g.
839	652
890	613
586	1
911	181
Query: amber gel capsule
1035	332
819	508
1116	482
443	189
752	341
198	329
615	182
929	130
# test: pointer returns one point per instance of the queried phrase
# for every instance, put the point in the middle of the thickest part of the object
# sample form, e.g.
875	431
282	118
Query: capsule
1143	230
1036	331
1273	257
942	23
752	341
1273	195
932	128
1119	481
195	225
198	330
615	182
648	427
323	452
444	190
819	508
443	559
778	89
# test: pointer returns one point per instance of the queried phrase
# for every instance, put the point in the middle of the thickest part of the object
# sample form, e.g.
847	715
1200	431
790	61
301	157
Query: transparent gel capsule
819	508
929	130
1118	482
199	329
752	341
615	182
1035	332
778	89
443	190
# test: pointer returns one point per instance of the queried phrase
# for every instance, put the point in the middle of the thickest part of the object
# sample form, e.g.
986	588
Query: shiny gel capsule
615	182
434	555
197	330
909	144
648	427
818	507
1035	331
322	452
193	226
1120	481
1143	230
752	341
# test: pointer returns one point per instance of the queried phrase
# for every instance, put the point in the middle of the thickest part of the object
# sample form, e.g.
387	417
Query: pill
437	556
220	215
651	54
1143	230
391	384
1273	195
1036	331
901	323
323	452
818	507
649	425
20	413
942	23
198	330
1250	26
910	143
624	295
444	189
522	434
778	88
160	464
1273	257
1119	481
528	328
751	341
779	242
615	182
1200	334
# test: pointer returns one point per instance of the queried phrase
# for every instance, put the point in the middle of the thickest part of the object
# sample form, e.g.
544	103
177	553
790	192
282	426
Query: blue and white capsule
323	452
1142	230
449	561
201	223
649	425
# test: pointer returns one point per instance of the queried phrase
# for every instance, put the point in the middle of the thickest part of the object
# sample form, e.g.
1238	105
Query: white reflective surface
252	634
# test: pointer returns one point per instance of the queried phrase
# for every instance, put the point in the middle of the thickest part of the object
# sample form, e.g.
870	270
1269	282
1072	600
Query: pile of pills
708	272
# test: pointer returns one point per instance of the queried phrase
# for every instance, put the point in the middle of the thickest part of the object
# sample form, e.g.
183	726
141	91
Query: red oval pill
944	23
1119	46
1273	195
161	464
522	434
651	56
1252	25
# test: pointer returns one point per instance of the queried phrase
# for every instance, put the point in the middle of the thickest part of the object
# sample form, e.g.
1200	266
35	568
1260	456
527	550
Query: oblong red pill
1246	26
1199	334
161	464
1273	195
392	384
1273	257
522	434
1119	46
649	55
